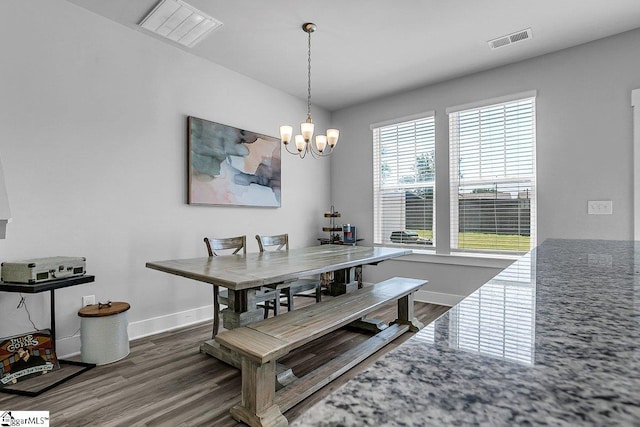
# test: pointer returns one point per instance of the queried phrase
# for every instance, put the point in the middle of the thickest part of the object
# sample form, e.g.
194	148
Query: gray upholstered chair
299	287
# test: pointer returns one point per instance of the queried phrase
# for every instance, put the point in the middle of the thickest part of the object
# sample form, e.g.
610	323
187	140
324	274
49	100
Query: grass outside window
491	241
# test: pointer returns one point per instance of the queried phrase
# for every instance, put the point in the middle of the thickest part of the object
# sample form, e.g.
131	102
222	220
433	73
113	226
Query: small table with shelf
50	286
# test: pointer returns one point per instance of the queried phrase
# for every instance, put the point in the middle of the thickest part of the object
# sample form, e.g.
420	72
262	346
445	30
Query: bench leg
405	314
258	392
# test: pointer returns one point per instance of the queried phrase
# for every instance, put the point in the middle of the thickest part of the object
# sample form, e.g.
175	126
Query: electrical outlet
599	207
88	300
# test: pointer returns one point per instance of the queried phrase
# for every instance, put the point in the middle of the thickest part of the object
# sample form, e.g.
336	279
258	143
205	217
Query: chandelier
303	141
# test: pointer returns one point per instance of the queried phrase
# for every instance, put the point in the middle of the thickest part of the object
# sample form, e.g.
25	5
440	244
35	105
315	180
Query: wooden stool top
101	310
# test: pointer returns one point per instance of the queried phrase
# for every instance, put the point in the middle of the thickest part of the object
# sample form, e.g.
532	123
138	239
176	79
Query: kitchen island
554	339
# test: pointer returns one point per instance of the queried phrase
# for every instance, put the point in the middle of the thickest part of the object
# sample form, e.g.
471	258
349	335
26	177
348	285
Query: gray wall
93	143
584	145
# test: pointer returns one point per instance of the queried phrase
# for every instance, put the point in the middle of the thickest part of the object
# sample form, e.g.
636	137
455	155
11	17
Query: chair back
277	242
235	244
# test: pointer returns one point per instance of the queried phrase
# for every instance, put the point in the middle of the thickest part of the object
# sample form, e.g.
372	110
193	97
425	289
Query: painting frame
229	166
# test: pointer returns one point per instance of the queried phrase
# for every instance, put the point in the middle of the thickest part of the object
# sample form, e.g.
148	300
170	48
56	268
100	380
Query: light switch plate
599	207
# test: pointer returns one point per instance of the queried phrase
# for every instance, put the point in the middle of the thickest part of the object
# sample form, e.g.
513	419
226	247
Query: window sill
460	258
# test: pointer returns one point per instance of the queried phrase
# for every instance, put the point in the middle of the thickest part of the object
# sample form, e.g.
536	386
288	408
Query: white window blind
493	176
404	182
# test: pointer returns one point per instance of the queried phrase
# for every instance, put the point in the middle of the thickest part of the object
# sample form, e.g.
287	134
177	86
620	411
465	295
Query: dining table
246	276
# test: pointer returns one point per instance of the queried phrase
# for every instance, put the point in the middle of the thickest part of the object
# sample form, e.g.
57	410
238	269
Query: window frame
443	252
455	183
378	219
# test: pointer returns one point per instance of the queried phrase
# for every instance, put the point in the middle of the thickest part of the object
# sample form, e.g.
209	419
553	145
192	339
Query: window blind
404	182
493	177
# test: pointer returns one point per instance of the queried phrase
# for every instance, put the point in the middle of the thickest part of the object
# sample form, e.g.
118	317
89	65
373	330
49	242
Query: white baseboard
70	346
156	325
438	298
435	297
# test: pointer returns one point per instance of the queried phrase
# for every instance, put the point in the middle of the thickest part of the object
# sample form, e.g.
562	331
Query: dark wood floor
166	381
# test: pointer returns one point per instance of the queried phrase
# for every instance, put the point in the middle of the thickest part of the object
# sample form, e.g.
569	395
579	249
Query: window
493	176
404	181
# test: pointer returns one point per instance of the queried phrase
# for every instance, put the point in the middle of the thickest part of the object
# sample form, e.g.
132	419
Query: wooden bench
260	344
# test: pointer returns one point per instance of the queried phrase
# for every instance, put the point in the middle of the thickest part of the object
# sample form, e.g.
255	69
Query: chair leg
319	293
289	295
276	305
216	312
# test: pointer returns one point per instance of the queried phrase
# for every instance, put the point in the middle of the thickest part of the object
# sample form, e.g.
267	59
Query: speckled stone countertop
552	340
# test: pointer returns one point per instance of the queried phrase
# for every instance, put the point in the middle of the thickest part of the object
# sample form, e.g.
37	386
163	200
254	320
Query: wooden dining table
246	277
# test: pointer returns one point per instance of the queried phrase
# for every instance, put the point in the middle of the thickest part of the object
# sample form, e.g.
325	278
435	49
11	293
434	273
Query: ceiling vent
510	39
179	22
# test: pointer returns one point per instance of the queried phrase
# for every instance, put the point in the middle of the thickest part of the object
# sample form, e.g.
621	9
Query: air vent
179	22
510	39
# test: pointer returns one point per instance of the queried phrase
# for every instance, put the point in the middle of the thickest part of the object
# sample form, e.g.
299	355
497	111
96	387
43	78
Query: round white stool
103	332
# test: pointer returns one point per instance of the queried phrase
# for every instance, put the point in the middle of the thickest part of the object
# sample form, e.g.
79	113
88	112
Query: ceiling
364	49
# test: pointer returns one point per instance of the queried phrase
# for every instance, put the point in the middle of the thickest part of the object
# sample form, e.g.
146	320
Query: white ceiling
364	49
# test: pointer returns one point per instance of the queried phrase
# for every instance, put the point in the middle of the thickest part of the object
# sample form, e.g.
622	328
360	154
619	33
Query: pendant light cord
309	81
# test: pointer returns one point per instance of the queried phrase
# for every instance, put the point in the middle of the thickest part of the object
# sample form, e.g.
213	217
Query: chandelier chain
309	79
324	144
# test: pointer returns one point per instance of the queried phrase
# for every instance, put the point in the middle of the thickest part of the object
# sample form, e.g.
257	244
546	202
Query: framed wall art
232	166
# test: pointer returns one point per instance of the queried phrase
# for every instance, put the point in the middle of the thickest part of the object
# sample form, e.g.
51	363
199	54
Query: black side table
50	286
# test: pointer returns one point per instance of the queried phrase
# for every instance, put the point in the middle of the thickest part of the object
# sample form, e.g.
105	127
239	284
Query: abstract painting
231	166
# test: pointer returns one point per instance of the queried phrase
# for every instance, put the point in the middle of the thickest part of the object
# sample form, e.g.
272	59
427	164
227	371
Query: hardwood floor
166	381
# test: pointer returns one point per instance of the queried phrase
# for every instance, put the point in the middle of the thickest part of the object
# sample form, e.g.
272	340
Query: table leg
242	310
344	281
52	311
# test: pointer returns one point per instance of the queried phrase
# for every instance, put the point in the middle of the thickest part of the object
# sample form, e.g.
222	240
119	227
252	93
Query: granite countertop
552	340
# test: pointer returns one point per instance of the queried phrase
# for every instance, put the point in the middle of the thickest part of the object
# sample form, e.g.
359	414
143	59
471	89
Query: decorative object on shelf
349	234
333	230
303	140
231	166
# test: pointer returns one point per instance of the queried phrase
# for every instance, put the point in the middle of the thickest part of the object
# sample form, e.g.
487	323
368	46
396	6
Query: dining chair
299	287
230	246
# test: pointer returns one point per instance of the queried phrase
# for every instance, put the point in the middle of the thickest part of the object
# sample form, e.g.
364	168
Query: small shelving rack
333	230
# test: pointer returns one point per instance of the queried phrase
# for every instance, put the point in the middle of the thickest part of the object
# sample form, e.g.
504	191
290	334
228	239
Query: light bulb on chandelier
303	141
